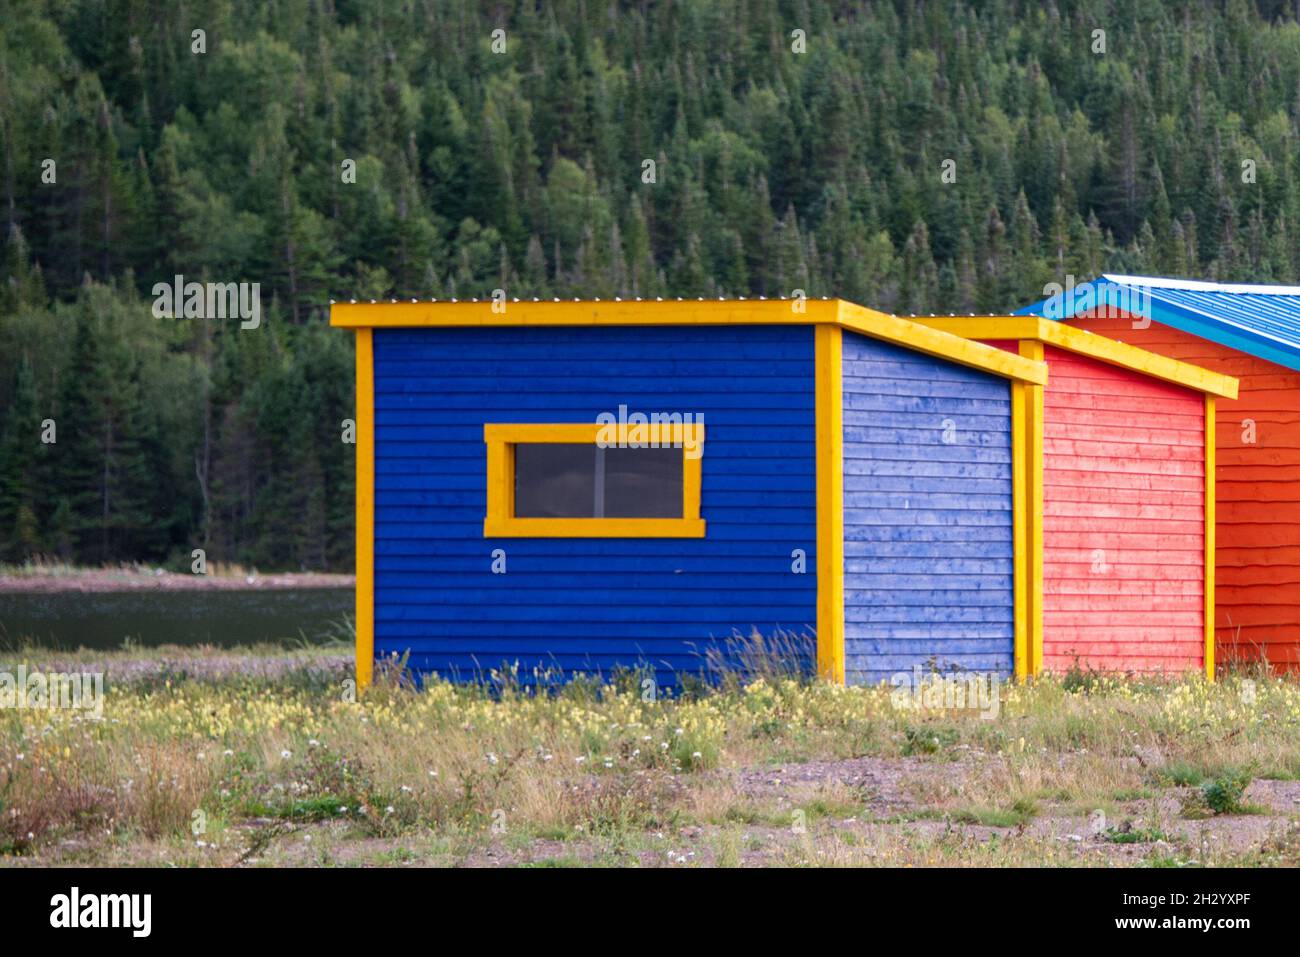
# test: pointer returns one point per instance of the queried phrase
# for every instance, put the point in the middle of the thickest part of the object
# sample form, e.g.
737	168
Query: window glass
569	480
554	480
643	483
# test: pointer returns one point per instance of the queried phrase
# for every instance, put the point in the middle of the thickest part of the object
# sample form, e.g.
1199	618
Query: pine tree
920	276
20	444
87	434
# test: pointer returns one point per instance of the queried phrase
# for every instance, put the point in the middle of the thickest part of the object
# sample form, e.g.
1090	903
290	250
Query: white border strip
1195	285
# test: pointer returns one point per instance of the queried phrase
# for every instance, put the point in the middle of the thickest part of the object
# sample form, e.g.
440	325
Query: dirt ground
857	812
226	758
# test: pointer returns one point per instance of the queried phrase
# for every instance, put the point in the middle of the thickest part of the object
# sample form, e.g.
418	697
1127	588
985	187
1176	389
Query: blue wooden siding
927	525
589	604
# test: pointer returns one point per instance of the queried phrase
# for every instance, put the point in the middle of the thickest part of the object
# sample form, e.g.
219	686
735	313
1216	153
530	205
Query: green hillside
912	156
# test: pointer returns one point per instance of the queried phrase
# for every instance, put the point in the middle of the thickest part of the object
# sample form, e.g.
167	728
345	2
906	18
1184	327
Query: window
585	480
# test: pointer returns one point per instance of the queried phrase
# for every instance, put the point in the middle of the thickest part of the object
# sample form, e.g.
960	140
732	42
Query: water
103	620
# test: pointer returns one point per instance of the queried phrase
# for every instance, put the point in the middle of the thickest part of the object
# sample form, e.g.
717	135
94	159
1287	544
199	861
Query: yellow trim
586	312
921	337
1032	349
365	530
836	312
501	439
1020	524
500	480
828	349
1209	535
593	528
667	433
1086	343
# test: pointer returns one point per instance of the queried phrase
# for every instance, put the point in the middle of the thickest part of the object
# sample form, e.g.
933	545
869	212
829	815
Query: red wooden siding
1123	519
1258	493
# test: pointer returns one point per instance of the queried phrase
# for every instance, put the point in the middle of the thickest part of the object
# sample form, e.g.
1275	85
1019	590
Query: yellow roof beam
922	337
584	312
1089	344
673	312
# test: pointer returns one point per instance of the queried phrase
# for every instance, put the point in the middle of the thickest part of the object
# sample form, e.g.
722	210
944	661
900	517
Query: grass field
258	757
48	576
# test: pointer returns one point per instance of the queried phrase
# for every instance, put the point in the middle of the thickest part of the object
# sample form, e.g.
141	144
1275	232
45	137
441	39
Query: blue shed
577	487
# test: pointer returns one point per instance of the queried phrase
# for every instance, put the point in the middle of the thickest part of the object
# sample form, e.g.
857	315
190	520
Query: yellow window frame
501	439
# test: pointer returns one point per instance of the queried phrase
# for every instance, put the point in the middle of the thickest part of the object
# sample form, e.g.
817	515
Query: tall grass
577	759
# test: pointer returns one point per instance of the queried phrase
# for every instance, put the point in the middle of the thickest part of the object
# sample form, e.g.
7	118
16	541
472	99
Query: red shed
1252	332
1120	474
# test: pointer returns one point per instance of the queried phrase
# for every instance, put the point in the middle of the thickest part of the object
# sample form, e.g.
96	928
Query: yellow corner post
1033	480
829	344
365	559
1020	524
1209	535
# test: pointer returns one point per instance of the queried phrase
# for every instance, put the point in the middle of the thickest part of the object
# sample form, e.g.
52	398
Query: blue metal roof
1260	320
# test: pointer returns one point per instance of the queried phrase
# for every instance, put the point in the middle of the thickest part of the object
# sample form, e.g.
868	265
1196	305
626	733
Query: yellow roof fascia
1083	342
670	312
920	336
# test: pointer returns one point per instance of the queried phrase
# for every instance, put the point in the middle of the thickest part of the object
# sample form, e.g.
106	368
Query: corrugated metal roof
1260	320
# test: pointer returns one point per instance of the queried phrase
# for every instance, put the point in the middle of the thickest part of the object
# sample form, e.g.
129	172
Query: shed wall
928	547
1257	592
590	604
1123	519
